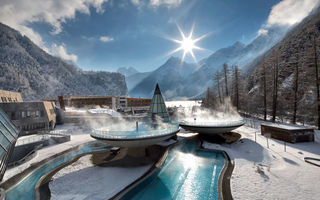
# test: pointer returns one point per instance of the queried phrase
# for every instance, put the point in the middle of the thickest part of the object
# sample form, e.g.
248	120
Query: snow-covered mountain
26	68
127	71
191	80
169	75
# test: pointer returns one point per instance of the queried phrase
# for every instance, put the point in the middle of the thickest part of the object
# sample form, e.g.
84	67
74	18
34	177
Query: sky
108	34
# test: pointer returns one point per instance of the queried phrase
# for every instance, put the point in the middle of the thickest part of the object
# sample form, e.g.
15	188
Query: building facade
138	102
90	101
31	117
8	96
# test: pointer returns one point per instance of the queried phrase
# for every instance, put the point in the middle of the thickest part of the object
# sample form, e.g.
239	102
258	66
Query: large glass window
8	137
23	114
6	132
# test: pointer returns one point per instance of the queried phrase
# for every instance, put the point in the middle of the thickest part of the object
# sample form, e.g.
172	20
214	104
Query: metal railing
214	123
31	139
152	132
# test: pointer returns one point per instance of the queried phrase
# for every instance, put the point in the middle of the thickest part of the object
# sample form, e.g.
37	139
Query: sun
187	44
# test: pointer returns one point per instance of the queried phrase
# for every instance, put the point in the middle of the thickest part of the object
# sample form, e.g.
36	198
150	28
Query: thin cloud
61	51
106	39
288	13
157	3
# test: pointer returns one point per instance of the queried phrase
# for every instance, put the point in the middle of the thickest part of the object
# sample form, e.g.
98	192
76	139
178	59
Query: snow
97	110
285	126
271	173
317	136
83	180
48	152
287	82
105	111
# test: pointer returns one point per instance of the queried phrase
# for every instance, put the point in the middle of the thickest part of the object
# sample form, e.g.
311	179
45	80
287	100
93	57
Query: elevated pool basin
187	173
211	128
144	135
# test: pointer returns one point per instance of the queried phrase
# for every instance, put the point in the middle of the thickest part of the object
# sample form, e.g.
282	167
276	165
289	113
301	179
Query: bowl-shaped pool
211	128
144	135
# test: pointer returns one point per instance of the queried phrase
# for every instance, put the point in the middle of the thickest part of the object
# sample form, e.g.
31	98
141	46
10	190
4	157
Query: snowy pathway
271	173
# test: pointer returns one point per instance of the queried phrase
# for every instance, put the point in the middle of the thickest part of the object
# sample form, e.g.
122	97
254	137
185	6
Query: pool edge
150	172
225	177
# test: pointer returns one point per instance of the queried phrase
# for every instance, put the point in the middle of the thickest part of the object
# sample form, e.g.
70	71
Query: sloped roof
158	107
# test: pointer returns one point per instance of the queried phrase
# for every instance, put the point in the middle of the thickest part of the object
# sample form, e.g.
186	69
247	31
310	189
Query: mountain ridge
26	68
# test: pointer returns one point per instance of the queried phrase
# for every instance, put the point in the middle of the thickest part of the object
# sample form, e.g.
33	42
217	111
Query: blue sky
108	34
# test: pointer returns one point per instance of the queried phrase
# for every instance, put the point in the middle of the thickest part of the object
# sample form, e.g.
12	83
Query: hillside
295	51
26	68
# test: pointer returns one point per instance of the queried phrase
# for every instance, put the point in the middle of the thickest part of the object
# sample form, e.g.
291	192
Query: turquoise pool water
188	173
144	131
26	188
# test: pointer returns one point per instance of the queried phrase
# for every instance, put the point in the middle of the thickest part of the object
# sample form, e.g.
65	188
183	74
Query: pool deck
42	156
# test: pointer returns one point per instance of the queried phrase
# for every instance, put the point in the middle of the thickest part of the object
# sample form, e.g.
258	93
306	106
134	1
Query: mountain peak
173	59
238	44
127	71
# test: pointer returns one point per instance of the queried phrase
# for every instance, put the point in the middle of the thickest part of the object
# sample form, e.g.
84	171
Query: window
37	113
13	115
23	114
28	113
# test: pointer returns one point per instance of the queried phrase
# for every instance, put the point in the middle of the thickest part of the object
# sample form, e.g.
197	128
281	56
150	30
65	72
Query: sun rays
187	44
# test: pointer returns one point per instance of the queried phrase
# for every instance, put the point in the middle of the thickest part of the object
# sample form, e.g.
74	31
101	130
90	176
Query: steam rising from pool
223	114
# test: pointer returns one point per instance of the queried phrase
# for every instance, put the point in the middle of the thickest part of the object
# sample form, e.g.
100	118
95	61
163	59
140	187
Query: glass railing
144	131
31	139
214	123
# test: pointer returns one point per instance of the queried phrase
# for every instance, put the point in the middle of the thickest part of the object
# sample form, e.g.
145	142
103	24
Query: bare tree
217	78
264	92
275	88
226	72
317	78
235	86
295	101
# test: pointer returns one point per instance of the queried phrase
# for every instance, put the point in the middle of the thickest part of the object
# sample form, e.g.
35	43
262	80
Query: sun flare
187	44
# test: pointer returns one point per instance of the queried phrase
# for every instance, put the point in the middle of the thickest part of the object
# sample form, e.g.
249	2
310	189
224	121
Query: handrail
134	134
212	123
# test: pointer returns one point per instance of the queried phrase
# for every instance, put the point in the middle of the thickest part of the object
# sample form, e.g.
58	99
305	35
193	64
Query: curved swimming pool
25	189
187	173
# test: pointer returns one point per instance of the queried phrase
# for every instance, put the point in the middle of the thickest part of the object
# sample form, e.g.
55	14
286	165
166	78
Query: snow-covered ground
271	173
48	152
83	180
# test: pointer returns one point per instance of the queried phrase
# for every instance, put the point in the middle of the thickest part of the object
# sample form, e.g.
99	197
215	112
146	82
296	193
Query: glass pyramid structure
8	137
158	107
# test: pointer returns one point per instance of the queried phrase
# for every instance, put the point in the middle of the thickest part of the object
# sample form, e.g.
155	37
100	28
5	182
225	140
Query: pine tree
226	73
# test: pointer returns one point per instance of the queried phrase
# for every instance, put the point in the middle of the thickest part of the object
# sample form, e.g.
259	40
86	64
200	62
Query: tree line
284	87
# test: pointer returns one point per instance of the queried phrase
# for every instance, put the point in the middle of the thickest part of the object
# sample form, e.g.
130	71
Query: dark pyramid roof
8	137
158	107
157	90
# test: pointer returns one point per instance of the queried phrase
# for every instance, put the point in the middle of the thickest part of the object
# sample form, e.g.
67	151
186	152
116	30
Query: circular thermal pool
211	127
129	135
